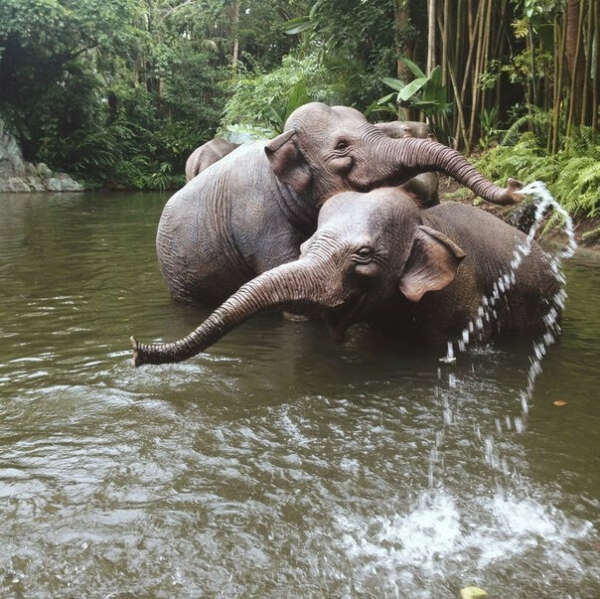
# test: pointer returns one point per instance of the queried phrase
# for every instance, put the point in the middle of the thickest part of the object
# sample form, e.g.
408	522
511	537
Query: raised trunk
414	156
295	283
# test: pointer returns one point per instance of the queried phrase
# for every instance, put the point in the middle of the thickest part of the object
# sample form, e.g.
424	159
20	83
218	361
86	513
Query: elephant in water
251	210
416	275
206	154
422	188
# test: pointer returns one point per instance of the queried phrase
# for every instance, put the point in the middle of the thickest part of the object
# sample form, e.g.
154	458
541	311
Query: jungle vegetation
119	92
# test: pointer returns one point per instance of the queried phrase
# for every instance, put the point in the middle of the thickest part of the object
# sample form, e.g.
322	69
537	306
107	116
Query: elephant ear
432	264
287	161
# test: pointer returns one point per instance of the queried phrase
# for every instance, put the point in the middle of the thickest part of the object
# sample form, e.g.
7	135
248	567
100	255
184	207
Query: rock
11	158
30	169
16	175
53	184
68	183
13	184
35	183
43	171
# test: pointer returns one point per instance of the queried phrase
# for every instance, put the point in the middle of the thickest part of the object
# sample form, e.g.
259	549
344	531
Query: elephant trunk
414	156
303	282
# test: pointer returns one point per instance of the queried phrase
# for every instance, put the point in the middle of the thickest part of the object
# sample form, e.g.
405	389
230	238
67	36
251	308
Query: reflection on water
277	463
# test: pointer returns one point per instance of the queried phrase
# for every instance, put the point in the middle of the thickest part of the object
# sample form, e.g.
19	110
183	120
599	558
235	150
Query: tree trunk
402	48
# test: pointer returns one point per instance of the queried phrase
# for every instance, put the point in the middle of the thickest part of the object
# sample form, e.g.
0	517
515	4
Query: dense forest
119	92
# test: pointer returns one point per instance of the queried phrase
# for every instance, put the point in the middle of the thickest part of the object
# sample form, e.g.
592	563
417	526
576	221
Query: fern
573	176
538	121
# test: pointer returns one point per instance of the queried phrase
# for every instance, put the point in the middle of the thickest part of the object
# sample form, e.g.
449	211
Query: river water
276	464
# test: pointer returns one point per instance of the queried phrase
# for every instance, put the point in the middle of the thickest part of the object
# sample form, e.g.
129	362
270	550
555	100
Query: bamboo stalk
459	107
587	65
431	36
555	88
531	45
559	83
467	71
458	37
574	77
475	89
596	71
446	12
461	116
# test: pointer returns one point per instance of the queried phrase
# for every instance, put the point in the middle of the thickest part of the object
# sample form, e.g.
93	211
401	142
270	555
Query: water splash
487	310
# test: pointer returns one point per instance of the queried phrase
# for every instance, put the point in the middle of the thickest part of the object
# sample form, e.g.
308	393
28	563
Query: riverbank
19	176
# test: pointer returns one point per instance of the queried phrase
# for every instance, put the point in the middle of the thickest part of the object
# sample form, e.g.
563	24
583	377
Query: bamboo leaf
394	83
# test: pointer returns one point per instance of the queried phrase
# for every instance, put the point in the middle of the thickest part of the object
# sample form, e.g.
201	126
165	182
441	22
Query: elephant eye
341	145
365	252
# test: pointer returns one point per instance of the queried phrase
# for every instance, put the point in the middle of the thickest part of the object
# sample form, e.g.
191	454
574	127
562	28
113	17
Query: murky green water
277	464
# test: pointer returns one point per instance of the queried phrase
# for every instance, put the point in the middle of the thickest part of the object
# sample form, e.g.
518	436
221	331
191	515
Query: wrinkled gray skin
206	154
251	210
416	275
424	187
398	129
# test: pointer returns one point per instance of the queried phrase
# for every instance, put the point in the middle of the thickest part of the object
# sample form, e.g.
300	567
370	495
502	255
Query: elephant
417	275
398	129
422	188
251	210
206	154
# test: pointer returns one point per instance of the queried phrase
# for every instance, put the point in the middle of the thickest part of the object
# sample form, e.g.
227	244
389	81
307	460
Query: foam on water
432	541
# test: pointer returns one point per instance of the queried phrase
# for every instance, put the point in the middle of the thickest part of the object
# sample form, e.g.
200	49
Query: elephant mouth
340	318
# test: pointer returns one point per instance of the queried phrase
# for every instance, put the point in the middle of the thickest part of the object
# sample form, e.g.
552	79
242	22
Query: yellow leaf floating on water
472	593
559	403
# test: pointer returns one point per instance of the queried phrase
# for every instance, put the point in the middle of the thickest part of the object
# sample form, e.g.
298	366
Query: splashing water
487	310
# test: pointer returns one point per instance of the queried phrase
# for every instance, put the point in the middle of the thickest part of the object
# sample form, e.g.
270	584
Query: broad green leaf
297	25
385	99
375	107
393	83
411	89
416	71
436	76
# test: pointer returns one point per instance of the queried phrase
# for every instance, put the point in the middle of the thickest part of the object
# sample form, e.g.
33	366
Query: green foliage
120	92
354	43
425	92
535	119
488	126
573	176
262	102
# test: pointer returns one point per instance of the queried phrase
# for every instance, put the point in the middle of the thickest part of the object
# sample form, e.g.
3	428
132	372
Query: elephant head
368	253
326	150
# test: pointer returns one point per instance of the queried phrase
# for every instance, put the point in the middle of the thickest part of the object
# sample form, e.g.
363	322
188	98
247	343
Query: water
276	464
